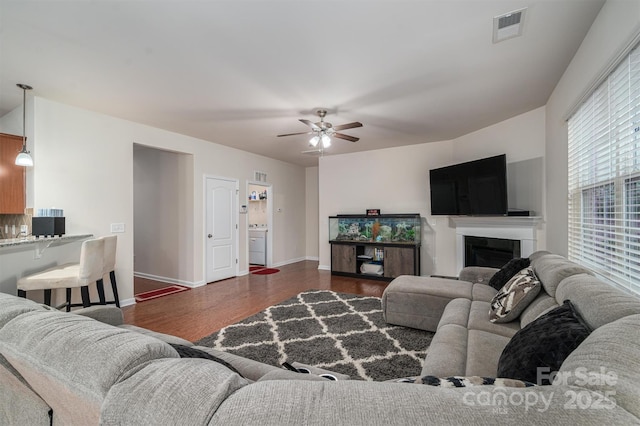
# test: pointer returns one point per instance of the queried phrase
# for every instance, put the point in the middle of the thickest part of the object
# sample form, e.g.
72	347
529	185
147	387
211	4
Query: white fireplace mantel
521	228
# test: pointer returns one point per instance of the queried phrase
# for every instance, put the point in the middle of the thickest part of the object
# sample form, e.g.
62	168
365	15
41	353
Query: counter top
29	242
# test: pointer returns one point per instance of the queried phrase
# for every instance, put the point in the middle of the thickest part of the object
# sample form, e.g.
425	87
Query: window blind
604	177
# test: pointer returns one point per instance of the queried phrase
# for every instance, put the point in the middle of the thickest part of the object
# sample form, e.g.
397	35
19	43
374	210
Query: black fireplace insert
491	252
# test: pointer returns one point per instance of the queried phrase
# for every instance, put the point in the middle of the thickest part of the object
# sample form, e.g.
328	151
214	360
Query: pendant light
23	158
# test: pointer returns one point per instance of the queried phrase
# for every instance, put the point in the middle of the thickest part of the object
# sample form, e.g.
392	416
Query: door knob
209	236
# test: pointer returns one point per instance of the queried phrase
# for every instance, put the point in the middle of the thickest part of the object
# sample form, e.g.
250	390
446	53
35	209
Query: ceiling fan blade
313	152
345	137
348	126
292	134
311	124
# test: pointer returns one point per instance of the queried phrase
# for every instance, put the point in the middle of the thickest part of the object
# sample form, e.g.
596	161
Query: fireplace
491	252
522	229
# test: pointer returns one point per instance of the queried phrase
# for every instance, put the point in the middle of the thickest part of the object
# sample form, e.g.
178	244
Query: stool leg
114	287
84	291
22	293
68	300
47	297
100	286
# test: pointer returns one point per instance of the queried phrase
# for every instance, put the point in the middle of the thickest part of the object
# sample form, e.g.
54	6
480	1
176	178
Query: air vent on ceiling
508	25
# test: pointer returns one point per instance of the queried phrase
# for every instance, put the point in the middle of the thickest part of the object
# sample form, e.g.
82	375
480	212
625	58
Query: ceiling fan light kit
324	131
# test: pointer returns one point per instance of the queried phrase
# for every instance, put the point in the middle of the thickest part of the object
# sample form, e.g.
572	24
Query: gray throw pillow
517	294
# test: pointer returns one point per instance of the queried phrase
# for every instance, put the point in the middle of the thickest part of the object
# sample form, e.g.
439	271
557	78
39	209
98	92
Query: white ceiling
239	72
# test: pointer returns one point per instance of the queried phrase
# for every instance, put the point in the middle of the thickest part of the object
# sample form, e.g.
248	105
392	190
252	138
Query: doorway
260	223
162	200
221	228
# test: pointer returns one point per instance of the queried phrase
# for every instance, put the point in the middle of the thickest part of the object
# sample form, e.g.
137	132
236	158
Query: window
604	177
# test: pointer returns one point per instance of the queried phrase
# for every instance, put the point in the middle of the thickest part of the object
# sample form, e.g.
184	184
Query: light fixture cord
24	119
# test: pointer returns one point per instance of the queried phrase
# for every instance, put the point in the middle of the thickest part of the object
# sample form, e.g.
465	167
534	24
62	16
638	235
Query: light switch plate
117	228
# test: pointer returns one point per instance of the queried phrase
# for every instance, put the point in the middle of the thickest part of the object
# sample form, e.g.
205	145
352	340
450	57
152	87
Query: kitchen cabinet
12	177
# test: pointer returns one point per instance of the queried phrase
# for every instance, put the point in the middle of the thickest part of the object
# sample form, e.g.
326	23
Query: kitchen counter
26	243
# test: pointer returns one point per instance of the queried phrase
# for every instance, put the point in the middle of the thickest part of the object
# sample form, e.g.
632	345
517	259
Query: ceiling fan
324	131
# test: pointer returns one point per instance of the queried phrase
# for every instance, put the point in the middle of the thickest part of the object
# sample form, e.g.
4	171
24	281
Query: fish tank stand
375	247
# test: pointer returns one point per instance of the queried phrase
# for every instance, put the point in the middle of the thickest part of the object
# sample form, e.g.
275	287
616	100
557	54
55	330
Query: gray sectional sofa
87	367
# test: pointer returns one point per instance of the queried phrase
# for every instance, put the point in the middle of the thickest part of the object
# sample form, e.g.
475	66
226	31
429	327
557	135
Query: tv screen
474	188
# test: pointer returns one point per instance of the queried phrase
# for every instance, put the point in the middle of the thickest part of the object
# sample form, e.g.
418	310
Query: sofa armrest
107	314
477	274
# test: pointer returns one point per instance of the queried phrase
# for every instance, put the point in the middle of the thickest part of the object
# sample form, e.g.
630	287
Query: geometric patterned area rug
340	332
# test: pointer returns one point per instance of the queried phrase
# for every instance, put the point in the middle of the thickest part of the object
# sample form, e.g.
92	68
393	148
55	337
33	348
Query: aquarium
387	228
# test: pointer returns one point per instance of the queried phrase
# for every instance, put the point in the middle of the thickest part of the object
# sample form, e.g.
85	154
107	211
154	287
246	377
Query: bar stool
69	276
109	268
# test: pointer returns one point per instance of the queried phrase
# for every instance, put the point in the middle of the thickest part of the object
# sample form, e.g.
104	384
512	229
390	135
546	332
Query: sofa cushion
447	354
551	269
540	305
543	344
169	392
517	293
458	351
505	273
479	320
12	306
167	338
482	292
599	303
419	302
72	361
483	353
607	362
456	312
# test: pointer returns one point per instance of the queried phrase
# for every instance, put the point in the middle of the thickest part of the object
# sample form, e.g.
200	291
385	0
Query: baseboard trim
127	302
190	284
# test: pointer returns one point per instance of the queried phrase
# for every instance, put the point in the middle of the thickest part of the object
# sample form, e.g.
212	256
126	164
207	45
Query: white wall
312	208
85	166
617	24
396	180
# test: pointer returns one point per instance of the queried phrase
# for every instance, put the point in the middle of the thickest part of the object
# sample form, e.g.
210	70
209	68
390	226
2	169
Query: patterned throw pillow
500	278
468	381
517	293
543	343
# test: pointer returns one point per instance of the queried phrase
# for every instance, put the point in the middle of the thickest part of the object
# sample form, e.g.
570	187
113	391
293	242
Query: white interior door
221	228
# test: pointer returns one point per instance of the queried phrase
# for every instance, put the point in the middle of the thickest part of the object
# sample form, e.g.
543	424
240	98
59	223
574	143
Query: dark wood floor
201	311
141	285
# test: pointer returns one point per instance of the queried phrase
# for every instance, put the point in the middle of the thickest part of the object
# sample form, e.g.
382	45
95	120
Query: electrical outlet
117	228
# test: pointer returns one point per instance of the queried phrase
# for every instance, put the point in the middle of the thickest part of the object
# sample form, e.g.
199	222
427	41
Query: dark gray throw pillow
545	342
500	278
191	352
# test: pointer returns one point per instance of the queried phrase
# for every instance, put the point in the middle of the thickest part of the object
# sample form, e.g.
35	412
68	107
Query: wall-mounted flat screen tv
473	188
